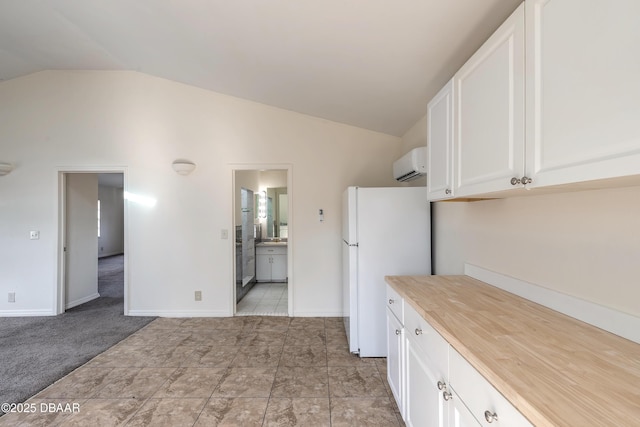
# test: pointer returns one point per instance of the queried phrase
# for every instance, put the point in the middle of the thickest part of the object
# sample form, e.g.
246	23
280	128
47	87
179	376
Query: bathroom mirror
277	213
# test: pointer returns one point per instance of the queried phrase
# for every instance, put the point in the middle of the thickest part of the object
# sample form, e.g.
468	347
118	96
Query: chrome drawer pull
490	416
441	385
446	395
418	331
391	301
397	331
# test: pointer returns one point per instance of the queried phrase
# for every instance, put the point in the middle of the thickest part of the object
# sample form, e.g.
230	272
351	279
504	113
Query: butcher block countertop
556	370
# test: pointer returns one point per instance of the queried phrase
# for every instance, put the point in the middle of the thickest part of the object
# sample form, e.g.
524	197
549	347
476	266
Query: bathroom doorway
262	249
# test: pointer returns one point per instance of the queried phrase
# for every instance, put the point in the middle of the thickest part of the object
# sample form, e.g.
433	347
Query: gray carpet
37	351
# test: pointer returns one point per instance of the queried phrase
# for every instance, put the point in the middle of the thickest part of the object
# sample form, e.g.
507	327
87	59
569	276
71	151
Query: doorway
262	224
91	235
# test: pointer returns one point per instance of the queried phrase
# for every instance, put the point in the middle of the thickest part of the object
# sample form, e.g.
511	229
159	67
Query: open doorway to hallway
262	223
92	241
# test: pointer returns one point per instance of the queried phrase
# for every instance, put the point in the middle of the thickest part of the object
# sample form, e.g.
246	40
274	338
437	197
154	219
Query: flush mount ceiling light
5	168
183	167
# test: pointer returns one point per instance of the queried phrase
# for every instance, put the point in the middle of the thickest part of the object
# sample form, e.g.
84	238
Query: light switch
34	235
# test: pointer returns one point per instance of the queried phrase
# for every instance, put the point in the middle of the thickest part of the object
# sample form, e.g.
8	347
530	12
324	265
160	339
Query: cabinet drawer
422	335
271	250
480	396
395	303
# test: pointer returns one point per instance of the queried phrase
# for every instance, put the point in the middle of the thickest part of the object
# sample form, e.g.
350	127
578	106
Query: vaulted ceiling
368	63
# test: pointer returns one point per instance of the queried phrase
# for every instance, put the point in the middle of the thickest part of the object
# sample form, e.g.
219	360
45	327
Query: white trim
614	321
339	314
26	313
180	313
81	301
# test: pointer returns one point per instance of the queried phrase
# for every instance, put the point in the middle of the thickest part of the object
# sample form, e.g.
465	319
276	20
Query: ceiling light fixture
183	167
5	168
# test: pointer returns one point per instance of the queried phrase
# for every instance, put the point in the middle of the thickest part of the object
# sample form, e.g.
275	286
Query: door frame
61	221
288	167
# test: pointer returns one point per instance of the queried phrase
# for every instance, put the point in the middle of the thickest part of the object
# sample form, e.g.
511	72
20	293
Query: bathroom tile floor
270	299
235	371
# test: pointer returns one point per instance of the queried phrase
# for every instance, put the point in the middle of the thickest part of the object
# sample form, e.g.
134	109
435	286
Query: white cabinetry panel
483	400
489	112
395	357
440	144
583	90
425	405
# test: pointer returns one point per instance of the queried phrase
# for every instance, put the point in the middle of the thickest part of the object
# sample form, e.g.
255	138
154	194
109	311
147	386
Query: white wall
585	244
82	238
124	119
111	240
415	137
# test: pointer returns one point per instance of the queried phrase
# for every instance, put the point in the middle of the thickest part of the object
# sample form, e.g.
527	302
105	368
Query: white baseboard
26	313
81	301
616	322
318	314
178	313
212	313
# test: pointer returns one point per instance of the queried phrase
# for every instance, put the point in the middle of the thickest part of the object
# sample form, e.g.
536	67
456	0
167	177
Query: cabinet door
263	268
489	113
459	414
395	355
583	87
440	144
424	404
278	268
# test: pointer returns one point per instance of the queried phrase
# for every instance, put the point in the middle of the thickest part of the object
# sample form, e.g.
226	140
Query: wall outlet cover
12	297
198	295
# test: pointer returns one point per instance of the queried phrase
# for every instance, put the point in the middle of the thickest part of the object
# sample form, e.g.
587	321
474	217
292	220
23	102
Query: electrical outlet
12	297
34	235
224	233
198	295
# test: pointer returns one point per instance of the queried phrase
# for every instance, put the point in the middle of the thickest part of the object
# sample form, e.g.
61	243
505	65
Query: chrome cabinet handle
441	385
398	332
447	191
446	395
418	331
490	416
524	180
391	301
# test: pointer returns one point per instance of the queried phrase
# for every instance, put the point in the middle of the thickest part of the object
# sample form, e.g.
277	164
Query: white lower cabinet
271	264
395	357
425	404
459	414
485	402
433	384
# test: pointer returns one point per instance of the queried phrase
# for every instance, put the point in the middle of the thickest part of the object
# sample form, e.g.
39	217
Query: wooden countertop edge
534	416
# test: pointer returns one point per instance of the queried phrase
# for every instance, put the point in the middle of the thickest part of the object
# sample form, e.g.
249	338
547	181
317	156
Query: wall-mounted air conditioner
412	165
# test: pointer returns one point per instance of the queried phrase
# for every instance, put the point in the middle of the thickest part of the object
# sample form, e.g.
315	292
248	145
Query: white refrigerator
385	232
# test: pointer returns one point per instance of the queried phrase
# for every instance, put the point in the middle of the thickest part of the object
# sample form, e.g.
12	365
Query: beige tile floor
238	371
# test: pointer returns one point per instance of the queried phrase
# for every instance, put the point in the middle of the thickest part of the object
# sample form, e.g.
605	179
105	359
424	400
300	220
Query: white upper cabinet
551	99
440	144
489	112
583	90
